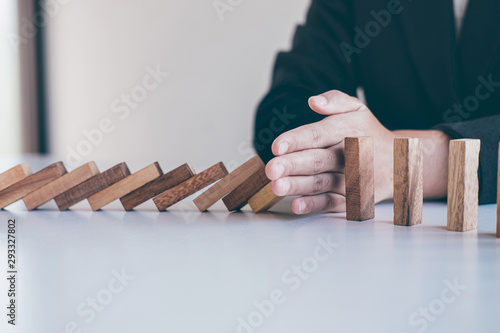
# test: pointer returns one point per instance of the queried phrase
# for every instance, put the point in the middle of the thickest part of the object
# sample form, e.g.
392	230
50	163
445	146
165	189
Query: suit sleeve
315	64
486	129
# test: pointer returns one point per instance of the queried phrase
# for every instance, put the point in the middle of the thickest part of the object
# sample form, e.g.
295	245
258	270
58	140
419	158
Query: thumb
334	102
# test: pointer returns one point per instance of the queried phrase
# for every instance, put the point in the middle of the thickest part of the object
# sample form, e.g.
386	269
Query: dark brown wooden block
92	186
157	186
31	183
190	186
240	195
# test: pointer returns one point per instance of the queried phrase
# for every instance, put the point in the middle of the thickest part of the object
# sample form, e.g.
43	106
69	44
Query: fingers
310	185
307	162
334	102
326	202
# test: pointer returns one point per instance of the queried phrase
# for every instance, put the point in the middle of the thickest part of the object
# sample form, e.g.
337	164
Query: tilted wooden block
408	181
463	184
124	186
228	183
60	185
498	195
31	183
264	199
157	186
14	175
240	195
91	186
190	186
359	178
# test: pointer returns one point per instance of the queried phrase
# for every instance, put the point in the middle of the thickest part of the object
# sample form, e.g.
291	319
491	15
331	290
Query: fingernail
320	100
284	186
279	169
302	206
283	147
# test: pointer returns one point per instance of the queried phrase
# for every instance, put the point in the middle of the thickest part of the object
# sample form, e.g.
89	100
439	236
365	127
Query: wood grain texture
60	185
238	198
498	194
359	178
190	186
264	199
408	181
14	175
91	186
463	185
228	183
157	186
124	186
31	183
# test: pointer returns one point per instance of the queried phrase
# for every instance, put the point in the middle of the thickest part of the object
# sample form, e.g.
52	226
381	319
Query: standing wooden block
264	199
91	186
124	186
14	175
157	186
240	195
463	184
359	178
60	185
31	183
408	181
498	195
228	183
190	186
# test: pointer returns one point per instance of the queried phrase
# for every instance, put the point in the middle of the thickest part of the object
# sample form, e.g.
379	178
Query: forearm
435	149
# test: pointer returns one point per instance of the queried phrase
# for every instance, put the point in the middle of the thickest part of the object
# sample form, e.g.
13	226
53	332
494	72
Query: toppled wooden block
14	175
264	199
240	195
463	184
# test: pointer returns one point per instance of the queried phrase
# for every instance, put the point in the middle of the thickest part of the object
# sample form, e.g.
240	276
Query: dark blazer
415	72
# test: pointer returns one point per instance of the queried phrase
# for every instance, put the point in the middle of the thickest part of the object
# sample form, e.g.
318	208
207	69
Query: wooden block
60	185
31	183
14	175
463	184
124	186
228	183
91	186
157	186
359	178
240	195
264	199
408	181
498	195
190	186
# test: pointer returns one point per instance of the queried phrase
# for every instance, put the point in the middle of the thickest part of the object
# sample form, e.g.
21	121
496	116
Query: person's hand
310	158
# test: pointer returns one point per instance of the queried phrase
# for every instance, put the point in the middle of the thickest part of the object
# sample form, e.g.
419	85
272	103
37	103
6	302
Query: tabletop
186	271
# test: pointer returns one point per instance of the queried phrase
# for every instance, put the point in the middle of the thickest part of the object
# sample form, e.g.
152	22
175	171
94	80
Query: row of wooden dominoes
246	184
463	185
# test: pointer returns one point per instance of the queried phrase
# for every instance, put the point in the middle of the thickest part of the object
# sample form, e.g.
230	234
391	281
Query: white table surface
201	272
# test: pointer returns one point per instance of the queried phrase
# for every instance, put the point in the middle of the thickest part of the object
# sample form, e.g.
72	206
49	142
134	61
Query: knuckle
318	162
315	137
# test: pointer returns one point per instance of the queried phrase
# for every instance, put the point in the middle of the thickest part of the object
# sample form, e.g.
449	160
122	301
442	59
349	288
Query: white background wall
202	112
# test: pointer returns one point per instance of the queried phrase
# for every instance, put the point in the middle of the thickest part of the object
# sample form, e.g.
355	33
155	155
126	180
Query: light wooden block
31	183
91	186
498	195
359	178
14	175
463	184
124	186
157	186
240	195
264	199
60	185
228	183
408	181
190	186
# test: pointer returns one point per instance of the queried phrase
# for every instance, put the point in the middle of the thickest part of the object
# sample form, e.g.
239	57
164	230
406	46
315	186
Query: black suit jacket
415	72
